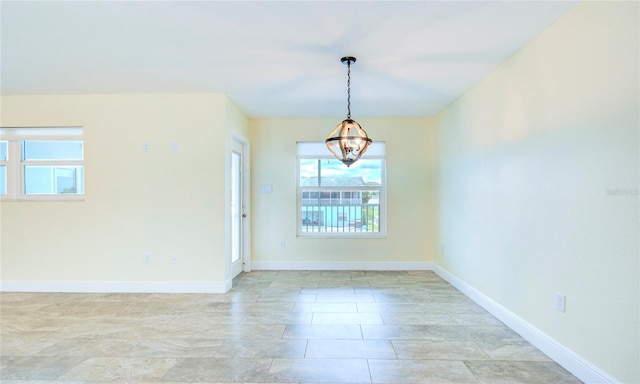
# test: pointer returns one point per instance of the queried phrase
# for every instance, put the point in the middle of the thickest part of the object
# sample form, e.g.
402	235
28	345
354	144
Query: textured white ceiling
274	59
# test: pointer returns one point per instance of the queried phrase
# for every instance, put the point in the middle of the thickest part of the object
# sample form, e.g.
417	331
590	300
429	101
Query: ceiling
274	59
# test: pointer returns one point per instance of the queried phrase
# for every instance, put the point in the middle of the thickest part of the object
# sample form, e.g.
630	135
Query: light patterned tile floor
302	327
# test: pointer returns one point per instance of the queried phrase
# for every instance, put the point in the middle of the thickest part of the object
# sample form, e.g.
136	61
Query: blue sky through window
3	150
370	170
52	150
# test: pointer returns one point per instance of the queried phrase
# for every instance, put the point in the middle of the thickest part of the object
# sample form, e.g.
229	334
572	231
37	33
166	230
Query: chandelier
348	141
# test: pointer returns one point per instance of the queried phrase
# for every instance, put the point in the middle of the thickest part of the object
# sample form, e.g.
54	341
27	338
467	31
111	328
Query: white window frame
16	136
318	150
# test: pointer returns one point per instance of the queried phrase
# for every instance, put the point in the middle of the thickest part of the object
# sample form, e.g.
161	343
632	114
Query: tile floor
272	327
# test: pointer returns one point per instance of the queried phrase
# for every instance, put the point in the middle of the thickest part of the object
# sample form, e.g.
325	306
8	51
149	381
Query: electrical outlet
174	259
146	258
561	302
283	244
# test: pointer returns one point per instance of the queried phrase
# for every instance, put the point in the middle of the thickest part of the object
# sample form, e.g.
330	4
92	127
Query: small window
42	163
339	201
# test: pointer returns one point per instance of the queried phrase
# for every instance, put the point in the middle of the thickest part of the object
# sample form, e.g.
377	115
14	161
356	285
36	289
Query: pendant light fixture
348	141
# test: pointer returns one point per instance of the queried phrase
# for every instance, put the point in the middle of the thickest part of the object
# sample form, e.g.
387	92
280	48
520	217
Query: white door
237	209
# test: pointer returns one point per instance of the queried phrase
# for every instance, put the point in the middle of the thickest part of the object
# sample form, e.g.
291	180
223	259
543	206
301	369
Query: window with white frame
339	201
41	163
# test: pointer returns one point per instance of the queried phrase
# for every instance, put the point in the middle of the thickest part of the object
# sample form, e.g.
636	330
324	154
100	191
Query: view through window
339	201
41	163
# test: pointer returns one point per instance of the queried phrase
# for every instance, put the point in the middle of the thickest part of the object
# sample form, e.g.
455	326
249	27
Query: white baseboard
115	286
568	359
341	266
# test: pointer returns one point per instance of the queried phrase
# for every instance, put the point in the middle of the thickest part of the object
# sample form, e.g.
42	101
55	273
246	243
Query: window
339	201
41	163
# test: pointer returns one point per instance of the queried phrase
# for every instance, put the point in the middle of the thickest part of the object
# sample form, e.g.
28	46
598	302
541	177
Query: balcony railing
327	217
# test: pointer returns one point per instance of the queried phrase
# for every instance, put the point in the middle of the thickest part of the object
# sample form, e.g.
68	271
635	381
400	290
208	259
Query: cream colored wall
538	185
157	202
411	209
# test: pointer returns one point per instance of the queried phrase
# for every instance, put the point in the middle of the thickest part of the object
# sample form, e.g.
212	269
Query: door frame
245	246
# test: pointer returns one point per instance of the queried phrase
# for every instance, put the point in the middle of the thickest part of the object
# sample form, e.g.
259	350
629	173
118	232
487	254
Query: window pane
309	172
343	211
53	180
3	180
3	150
38	180
335	174
52	150
339	201
328	208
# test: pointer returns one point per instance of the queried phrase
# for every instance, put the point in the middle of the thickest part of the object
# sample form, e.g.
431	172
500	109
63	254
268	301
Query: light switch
266	188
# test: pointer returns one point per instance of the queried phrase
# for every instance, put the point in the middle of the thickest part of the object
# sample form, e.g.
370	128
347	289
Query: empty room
340	192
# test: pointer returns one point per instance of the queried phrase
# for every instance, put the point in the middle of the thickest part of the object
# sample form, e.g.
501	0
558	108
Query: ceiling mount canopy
348	141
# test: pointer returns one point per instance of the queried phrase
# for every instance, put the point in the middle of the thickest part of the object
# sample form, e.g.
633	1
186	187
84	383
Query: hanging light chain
348	141
348	89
